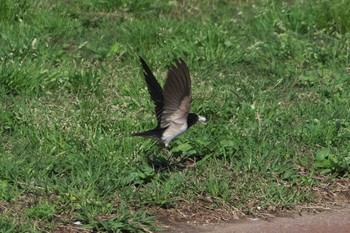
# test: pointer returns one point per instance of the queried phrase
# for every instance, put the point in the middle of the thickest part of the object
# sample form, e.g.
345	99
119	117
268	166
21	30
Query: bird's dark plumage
172	104
154	89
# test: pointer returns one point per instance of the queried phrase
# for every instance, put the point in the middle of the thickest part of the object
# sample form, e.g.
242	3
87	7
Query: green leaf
326	171
116	48
185	147
227	143
308	78
323	154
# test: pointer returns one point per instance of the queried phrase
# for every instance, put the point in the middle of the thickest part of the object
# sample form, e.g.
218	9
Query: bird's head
194	118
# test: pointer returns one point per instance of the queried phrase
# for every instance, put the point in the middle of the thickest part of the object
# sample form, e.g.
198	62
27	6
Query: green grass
272	78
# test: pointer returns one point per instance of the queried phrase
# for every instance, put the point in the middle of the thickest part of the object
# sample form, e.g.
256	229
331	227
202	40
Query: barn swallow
172	104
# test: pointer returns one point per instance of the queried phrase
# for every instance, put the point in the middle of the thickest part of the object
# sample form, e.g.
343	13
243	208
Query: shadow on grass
170	161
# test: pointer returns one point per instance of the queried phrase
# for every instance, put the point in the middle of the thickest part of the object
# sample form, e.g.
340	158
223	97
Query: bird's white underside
174	130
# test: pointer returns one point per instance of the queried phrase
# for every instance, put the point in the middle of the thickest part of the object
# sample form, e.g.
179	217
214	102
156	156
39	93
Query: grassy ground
273	79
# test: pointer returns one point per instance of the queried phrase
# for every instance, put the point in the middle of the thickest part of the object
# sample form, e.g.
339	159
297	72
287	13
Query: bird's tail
153	133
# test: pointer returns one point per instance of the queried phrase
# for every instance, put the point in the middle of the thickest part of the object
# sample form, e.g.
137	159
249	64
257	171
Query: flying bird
172	104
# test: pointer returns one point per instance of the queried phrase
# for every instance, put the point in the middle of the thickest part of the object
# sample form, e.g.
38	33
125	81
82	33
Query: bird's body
172	104
173	131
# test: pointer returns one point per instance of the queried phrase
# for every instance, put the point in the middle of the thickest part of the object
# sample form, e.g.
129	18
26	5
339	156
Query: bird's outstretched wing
154	89
177	95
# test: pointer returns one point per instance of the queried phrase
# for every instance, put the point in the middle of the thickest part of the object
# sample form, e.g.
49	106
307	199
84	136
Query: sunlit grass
272	78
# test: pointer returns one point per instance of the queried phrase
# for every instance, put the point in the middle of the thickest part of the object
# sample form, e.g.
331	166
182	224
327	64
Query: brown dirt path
325	222
331	214
330	221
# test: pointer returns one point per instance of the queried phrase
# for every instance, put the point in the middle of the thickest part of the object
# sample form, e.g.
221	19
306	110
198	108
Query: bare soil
329	212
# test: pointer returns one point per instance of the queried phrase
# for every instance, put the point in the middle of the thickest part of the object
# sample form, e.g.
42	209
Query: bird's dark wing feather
177	95
154	89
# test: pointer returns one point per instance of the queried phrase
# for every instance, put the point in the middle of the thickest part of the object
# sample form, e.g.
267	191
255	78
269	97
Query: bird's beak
202	119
